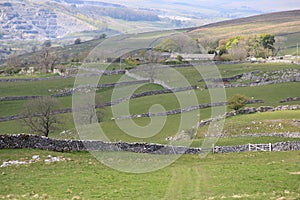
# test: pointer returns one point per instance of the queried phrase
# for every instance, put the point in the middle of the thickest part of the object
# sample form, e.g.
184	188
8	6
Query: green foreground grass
227	176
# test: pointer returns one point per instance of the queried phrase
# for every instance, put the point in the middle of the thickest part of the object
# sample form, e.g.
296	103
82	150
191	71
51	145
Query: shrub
237	101
180	58
211	51
77	41
227	57
12	71
131	61
75	60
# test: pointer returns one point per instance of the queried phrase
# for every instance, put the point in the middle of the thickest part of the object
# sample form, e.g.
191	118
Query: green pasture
271	94
239	125
45	87
267	122
219	176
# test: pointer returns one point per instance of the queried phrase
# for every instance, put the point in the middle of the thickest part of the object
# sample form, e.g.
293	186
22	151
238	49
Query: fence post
270	147
213	149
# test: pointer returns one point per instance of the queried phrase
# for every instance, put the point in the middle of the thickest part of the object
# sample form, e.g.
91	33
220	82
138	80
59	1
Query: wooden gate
260	147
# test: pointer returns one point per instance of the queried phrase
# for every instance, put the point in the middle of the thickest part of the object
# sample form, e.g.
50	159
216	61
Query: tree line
240	47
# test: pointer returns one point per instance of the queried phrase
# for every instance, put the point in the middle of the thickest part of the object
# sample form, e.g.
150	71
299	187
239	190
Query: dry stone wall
184	110
252	84
105	73
249	111
39	142
280	146
290	99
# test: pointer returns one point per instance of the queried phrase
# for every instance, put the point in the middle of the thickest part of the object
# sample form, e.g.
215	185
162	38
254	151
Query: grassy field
191	74
270	122
45	87
271	94
227	176
258	123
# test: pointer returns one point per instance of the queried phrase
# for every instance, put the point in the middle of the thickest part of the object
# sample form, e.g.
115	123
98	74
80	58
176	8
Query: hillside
57	19
38	20
25	23
285	26
25	19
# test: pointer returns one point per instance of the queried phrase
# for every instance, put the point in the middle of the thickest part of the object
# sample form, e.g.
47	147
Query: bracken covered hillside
284	25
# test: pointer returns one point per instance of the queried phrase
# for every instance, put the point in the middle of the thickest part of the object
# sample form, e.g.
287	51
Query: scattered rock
13	162
35	158
282	198
69	191
52	159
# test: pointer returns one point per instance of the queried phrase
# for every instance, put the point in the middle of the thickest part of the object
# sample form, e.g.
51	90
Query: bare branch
39	115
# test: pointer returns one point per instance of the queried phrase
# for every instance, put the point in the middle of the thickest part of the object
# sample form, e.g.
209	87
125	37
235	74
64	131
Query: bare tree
34	48
47	59
90	109
47	43
186	44
14	64
239	51
153	58
77	41
40	116
152	72
208	42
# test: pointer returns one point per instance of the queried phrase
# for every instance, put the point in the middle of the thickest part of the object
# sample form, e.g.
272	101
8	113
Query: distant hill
56	19
285	26
276	17
39	20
